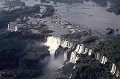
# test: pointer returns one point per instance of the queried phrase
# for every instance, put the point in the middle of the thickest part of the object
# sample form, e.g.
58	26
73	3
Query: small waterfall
113	70
86	51
104	60
77	49
65	56
98	56
73	57
117	73
90	52
81	49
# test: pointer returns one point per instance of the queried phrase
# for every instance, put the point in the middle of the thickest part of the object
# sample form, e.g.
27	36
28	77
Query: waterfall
77	58
81	49
77	49
53	43
16	28
90	52
104	60
8	27
113	70
98	56
73	57
86	51
101	58
117	73
65	43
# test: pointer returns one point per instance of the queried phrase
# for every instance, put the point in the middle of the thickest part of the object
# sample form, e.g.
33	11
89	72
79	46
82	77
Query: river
88	15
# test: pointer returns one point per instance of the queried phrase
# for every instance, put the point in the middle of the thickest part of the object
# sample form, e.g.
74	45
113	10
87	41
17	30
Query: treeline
11	15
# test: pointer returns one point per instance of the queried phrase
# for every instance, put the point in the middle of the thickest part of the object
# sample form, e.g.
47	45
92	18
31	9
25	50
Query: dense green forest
111	49
18	51
89	68
92	71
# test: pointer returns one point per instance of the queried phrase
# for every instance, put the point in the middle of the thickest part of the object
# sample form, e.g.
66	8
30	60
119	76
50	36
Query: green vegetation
102	3
111	48
115	5
115	8
45	1
22	73
20	55
110	31
69	1
93	71
30	73
89	68
11	50
89	39
14	3
76	35
11	15
49	11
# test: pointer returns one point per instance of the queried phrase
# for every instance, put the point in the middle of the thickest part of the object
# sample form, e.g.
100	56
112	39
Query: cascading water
54	63
53	43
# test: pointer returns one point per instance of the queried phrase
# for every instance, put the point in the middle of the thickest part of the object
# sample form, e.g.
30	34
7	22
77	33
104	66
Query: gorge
73	56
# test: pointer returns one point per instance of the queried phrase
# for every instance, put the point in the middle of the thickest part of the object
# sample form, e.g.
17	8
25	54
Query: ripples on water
89	15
